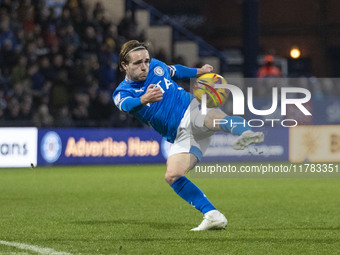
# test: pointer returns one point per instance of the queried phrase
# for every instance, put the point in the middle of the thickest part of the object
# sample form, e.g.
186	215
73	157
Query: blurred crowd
58	64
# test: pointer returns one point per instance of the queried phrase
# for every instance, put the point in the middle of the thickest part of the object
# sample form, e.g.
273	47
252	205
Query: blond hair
127	48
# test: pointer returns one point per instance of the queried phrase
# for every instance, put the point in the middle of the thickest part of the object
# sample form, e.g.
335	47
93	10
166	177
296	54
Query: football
205	84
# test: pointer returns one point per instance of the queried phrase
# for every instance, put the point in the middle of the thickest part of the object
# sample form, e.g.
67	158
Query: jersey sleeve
125	101
178	72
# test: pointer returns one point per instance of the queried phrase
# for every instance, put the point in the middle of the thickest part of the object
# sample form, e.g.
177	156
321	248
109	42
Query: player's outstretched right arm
126	102
153	94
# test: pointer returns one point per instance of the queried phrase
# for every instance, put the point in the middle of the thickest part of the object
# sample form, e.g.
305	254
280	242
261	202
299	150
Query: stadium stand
58	59
58	64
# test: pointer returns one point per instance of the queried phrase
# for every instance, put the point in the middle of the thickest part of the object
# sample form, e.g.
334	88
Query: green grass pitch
131	210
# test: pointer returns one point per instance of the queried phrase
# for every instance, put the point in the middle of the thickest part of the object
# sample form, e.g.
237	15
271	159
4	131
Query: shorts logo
159	71
51	147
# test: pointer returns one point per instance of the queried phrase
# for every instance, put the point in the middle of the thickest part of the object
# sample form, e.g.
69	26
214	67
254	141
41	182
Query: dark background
311	25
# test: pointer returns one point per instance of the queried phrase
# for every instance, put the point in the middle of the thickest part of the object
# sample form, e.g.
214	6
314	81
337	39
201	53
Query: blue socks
234	124
192	194
189	191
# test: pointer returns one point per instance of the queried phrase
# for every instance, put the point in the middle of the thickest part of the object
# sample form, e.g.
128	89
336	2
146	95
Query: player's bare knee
170	177
177	166
172	174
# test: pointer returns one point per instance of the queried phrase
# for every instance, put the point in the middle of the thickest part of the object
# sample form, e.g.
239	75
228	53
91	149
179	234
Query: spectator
57	6
5	83
28	22
127	27
41	49
20	38
80	109
60	94
64	118
101	109
90	44
93	91
65	19
45	95
51	37
268	69
91	68
19	72
68	36
7	36
316	86
37	79
161	55
98	11
108	65
26	111
180	60
12	111
17	91
31	53
2	116
70	56
328	87
46	69
8	58
43	118
3	104
58	62
89	21
112	33
15	25
6	5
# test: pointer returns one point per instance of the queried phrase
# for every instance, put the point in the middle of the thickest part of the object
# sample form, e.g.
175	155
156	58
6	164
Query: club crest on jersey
159	71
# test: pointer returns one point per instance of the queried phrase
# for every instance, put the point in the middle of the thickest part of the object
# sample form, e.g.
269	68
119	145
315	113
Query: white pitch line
37	249
15	253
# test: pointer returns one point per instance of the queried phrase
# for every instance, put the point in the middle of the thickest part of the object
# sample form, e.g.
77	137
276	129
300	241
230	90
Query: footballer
150	93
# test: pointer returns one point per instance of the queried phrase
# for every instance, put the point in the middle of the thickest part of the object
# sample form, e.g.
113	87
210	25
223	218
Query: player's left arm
179	72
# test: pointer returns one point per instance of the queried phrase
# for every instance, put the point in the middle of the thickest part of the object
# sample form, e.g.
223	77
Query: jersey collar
134	83
128	80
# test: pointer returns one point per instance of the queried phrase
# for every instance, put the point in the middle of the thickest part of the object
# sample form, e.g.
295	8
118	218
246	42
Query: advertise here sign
99	146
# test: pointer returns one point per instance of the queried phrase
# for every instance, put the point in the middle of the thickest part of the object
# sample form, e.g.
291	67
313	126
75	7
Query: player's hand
204	69
153	94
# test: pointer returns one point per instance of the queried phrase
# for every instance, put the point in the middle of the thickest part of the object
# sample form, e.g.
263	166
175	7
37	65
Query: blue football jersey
164	116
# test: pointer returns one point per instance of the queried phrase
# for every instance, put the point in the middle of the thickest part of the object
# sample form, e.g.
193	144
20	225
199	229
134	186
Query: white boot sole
248	139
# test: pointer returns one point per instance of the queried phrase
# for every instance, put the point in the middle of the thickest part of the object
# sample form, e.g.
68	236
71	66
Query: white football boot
212	220
247	138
